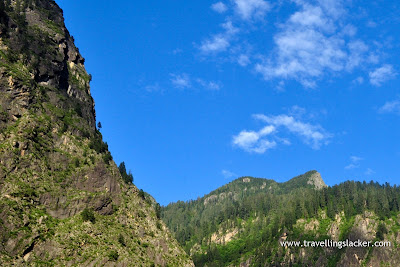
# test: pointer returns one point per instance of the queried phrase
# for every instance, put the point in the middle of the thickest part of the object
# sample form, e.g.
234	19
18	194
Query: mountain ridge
63	201
310	179
243	222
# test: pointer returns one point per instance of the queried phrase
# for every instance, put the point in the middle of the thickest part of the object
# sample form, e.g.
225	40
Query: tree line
270	213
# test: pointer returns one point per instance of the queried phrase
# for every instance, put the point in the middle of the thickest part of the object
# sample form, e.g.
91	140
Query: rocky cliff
63	201
244	222
365	227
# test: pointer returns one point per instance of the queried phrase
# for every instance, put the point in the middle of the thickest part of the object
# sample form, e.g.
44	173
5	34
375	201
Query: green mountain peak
311	179
244	222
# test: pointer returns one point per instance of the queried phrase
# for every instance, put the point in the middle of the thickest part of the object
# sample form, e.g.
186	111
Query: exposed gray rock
316	180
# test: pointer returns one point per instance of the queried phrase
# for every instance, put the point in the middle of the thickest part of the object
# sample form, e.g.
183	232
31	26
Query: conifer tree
2	7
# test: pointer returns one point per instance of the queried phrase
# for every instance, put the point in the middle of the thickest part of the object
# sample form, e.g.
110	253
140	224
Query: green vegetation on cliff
244	220
63	201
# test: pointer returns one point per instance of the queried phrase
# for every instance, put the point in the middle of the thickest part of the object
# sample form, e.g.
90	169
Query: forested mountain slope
63	201
243	222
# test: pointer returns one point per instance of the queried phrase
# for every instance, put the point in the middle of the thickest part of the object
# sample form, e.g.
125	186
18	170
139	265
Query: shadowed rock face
54	163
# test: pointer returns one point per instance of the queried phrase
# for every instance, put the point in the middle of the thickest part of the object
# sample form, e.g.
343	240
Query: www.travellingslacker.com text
327	243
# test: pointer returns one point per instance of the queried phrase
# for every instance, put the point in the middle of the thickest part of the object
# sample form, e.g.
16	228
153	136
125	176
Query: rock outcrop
63	201
244	222
316	180
363	227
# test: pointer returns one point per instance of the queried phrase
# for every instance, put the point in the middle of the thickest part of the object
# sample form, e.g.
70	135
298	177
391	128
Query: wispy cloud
382	74
217	43
230	30
268	138
369	171
313	42
351	166
358	80
228	174
354	163
185	81
243	60
153	88
313	135
357	54
177	51
219	7
297	111
251	9
210	85
391	107
181	81
246	10
355	159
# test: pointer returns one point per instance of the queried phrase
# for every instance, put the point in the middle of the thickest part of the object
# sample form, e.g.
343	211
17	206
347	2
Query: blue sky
193	94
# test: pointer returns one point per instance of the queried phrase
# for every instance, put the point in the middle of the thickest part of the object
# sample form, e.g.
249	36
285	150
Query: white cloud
252	141
369	171
217	43
357	54
246	139
358	80
391	107
284	141
297	111
303	50
355	159
184	81
210	85
230	30
304	54
219	7
353	163
246	9
243	60
228	174
263	146
333	7
312	16
257	141
314	42
153	88
181	81
251	9
313	135
267	130
351	166
220	42
381	75
213	86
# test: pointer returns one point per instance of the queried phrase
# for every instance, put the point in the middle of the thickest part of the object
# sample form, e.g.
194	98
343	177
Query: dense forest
261	211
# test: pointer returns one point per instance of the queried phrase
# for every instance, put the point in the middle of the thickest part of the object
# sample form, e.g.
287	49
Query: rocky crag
244	222
63	201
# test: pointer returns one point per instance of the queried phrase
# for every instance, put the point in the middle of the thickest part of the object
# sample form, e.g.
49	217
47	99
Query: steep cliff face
316	181
364	227
63	201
